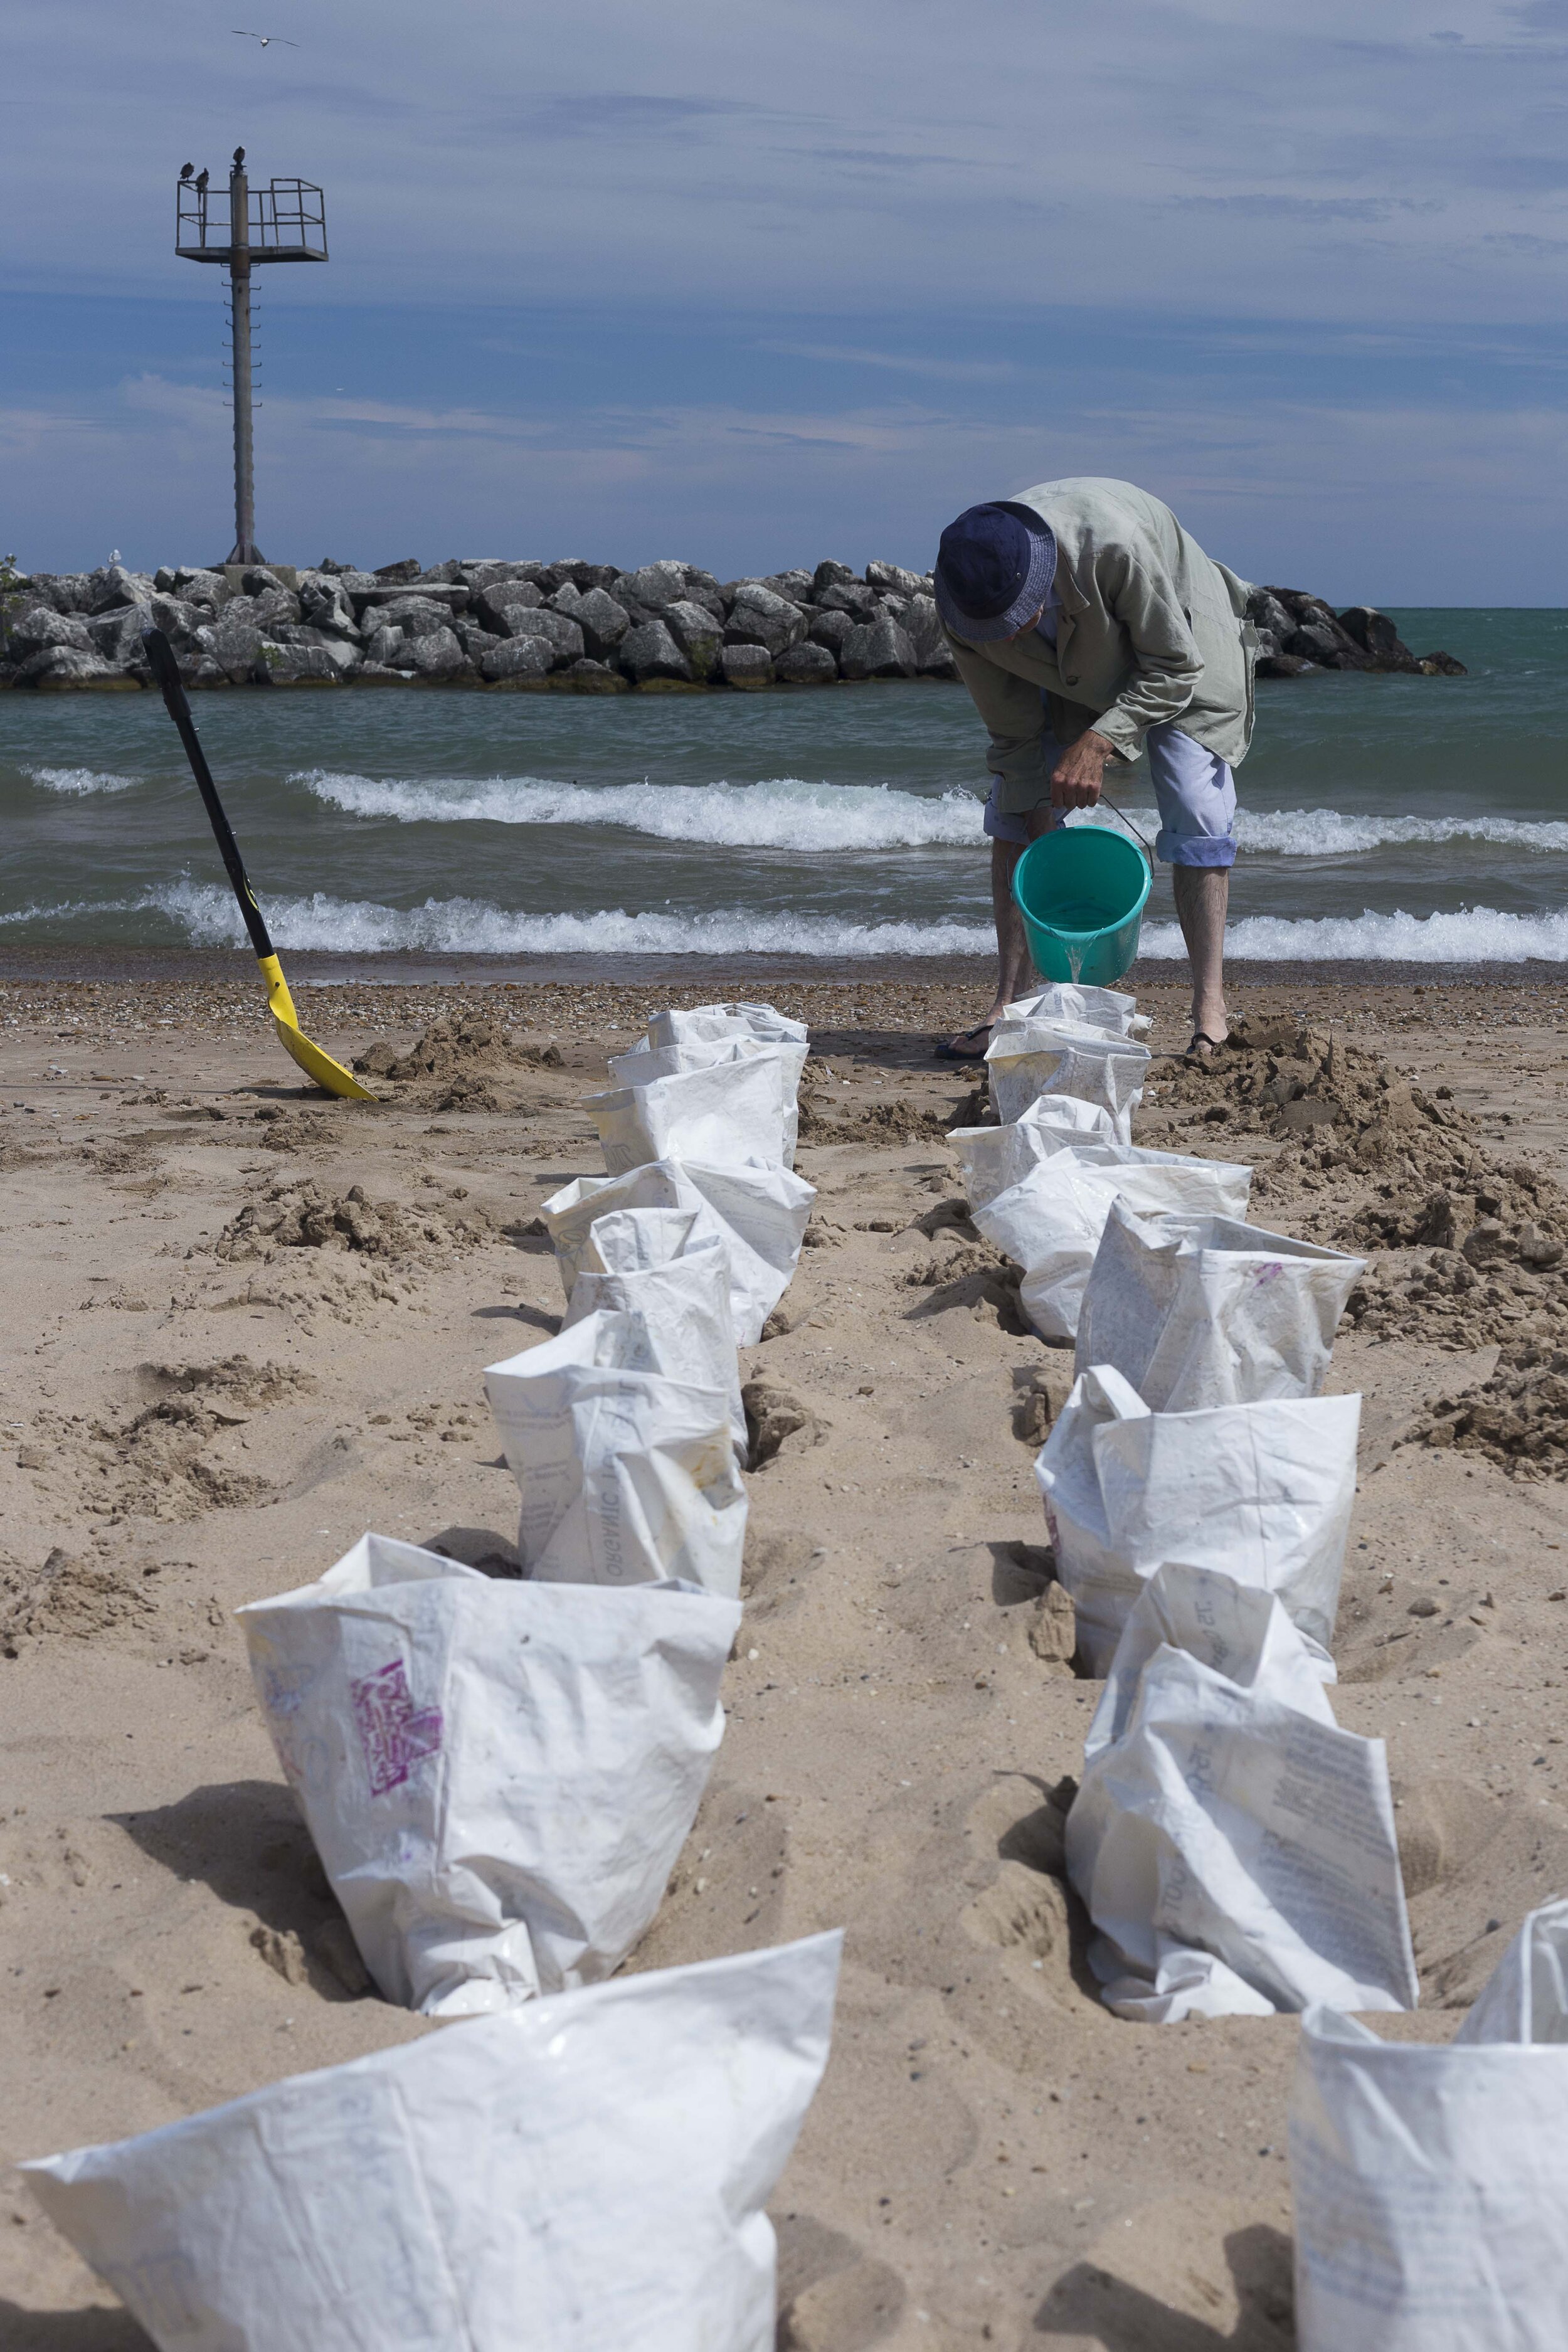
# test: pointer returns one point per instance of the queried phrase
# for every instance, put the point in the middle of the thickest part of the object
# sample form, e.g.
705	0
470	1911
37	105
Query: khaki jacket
1150	630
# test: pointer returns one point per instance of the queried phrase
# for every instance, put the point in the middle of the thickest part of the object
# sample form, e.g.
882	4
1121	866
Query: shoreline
190	967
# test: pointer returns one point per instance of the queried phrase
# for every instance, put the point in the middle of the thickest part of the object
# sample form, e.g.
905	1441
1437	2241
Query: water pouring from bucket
1081	891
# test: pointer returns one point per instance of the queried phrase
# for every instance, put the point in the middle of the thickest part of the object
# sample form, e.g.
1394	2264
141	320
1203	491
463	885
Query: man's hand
1078	776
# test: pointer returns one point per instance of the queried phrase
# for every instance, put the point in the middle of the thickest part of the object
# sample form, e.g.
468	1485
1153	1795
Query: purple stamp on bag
394	1732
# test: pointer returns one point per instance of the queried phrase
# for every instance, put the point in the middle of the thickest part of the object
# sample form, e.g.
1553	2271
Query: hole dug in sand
1473	1865
774	1415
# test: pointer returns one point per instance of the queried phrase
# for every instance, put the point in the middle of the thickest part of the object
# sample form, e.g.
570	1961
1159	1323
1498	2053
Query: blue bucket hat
993	570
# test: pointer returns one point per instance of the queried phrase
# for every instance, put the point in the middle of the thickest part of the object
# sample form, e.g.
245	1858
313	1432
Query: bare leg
1015	975
1202	894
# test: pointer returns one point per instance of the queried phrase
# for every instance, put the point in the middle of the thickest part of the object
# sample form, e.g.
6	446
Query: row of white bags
586	2173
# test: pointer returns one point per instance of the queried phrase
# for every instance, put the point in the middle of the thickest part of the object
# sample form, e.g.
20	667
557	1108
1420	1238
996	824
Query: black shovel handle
165	669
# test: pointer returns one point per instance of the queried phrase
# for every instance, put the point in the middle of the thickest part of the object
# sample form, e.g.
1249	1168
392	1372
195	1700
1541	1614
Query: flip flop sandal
947	1051
1202	1037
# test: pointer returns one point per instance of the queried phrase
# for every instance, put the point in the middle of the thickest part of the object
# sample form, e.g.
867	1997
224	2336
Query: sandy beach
245	1324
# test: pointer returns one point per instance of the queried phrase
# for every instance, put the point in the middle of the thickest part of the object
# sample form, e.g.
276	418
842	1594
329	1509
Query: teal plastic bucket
1082	892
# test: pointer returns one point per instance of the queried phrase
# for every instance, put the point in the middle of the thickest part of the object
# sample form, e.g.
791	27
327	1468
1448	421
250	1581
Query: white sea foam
781	813
815	819
1472	935
204	915
1327	833
78	781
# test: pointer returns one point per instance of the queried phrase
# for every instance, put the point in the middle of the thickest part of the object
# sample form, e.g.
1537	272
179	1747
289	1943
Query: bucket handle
1147	848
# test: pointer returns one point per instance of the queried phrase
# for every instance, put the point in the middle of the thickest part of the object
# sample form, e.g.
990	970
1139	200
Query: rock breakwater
565	627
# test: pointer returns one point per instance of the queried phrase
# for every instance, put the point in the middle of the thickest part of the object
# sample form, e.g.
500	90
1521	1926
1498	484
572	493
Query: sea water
1411	818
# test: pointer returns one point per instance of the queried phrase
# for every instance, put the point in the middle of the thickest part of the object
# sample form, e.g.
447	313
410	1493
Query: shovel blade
318	1065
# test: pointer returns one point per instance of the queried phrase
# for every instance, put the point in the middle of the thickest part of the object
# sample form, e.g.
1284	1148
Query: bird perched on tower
185	170
202	180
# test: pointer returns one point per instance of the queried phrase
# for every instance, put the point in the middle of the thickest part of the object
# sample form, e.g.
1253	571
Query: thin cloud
903	363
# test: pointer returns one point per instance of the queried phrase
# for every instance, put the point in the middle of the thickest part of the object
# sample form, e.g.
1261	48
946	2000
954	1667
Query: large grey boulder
697	633
117	636
571	571
503	596
795	586
922	627
298	665
655	585
521	661
362	588
324	604
234	641
62	591
851	596
384	646
477	642
56	669
271	607
1375	634
406	567
877	648
747	666
758	617
490	572
340	657
38	626
894	576
564	637
806	665
649	652
113	586
603	622
830	574
830	629
435	654
178	618
702	588
416	616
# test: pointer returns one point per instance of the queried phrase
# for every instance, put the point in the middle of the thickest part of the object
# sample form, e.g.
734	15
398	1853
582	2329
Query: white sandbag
683	1299
585	2172
645	1063
760	1213
627	1476
1110	1009
1234	1848
1263	1491
1050	1221
1026	1059
731	1110
1202	1310
1430	2178
709	1020
498	1775
994	1158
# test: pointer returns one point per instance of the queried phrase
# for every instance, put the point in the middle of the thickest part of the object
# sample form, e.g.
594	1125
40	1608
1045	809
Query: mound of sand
67	1595
303	1216
1519	1418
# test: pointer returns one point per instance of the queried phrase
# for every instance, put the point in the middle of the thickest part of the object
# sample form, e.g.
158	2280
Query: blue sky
750	285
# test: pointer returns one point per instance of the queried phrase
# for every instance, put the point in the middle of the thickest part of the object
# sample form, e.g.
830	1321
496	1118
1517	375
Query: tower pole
245	548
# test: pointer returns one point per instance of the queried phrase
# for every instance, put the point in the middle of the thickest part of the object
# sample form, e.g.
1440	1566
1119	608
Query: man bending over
1088	626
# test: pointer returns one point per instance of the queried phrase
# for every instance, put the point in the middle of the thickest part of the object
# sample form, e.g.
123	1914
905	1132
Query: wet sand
195	1416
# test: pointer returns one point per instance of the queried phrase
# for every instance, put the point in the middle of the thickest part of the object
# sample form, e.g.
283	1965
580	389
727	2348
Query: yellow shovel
315	1063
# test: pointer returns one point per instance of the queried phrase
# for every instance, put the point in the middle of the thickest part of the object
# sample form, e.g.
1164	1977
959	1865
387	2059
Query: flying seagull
185	170
265	38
